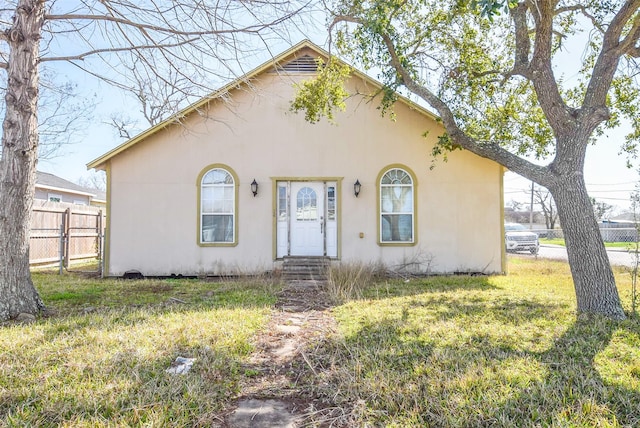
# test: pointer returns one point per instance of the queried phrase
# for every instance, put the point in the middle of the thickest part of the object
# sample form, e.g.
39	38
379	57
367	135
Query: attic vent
303	64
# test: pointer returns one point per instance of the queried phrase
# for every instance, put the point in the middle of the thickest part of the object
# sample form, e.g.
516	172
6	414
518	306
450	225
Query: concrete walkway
270	399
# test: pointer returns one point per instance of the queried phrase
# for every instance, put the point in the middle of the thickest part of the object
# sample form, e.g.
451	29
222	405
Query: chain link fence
609	234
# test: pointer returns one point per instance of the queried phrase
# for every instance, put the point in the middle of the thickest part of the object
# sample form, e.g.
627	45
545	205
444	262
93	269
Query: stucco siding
153	225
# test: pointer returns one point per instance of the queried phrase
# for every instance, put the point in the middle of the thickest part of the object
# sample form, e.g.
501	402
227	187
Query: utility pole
531	209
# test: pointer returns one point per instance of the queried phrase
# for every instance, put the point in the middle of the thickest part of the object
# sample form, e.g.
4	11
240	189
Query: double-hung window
397	217
217	207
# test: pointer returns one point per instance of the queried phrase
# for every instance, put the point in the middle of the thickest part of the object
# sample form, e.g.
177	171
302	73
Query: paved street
617	257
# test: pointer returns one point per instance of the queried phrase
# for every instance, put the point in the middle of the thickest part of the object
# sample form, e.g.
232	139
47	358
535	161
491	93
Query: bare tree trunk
19	159
593	278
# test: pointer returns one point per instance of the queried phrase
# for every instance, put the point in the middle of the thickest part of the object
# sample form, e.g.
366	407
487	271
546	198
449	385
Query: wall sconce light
254	187
356	187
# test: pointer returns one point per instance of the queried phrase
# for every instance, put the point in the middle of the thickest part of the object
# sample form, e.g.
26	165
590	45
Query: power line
611	184
615	199
523	190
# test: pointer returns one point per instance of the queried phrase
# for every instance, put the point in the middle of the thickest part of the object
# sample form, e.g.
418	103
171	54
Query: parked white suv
519	238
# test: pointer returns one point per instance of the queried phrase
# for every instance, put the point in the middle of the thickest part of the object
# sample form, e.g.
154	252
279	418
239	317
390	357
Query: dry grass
468	351
347	281
479	351
100	360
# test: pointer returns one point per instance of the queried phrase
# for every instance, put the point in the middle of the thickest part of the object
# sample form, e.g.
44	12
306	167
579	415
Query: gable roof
45	180
286	61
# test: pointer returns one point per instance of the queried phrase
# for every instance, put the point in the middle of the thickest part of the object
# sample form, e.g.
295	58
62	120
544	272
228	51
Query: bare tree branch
122	126
179	42
608	60
583	10
523	42
82	56
487	150
630	42
558	114
168	30
544	198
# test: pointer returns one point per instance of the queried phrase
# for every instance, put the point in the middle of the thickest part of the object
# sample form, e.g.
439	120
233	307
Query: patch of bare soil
275	372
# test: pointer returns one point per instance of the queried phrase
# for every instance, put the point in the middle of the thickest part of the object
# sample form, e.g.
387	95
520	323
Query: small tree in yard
601	209
487	68
181	39
543	198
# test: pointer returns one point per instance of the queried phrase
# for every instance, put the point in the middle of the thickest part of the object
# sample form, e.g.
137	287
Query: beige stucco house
237	182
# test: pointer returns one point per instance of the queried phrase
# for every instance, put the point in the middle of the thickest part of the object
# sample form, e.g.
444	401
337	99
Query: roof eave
100	162
63	189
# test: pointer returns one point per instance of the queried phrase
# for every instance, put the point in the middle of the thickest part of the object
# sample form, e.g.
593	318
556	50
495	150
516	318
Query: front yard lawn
481	351
456	351
100	359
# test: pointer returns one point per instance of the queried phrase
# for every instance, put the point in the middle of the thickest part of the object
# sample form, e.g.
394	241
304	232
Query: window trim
414	222
236	185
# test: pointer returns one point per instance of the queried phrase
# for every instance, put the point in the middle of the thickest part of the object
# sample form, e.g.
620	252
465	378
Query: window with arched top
217	193
306	205
397	208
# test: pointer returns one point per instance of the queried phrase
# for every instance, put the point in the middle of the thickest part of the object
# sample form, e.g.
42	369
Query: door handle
321	224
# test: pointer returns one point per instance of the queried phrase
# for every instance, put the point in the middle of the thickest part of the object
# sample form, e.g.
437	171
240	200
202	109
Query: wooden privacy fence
62	232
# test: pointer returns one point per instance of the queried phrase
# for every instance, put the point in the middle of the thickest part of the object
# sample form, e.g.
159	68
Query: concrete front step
305	268
293	260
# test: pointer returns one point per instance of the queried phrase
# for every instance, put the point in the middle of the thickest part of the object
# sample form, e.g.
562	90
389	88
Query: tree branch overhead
449	56
182	44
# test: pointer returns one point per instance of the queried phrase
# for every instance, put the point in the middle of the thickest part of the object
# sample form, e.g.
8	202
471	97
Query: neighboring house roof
45	180
99	163
100	196
630	216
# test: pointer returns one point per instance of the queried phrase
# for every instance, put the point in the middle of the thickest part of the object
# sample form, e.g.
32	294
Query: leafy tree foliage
489	68
321	96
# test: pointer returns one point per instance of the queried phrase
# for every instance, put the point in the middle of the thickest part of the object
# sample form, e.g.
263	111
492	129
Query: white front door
307	222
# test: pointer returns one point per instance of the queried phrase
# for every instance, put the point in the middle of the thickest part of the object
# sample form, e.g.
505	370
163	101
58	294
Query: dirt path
272	397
